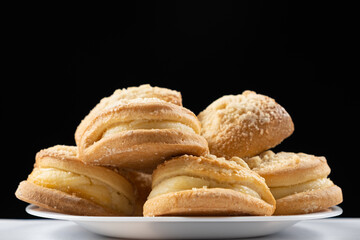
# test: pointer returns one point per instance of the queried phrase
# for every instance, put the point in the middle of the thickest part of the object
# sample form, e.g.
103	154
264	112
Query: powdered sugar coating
244	125
287	168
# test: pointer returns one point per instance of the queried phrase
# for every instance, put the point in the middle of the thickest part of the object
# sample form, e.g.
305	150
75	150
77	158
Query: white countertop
335	228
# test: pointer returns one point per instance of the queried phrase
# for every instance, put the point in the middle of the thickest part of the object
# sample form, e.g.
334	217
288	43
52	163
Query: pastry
207	185
139	134
61	182
142	187
244	125
298	181
143	91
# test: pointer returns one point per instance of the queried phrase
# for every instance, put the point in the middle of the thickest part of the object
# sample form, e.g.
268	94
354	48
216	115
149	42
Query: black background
61	60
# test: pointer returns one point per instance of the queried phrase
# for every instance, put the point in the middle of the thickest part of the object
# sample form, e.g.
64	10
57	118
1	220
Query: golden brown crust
286	168
309	201
125	111
65	158
209	201
142	185
59	152
206	202
142	91
143	150
147	91
46	185
59	201
217	169
140	149
244	125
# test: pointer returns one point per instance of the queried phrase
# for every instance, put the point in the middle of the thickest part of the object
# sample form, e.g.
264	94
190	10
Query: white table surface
335	228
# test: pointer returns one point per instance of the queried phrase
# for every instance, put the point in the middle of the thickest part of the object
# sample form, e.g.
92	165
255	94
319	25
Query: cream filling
280	192
147	124
181	183
82	186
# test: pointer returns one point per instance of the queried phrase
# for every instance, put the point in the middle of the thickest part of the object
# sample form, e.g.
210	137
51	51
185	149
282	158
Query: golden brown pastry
298	181
244	125
142	91
61	182
142	186
139	134
206	185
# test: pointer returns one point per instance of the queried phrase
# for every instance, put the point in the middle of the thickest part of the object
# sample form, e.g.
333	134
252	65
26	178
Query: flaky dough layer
61	182
140	149
143	150
287	168
59	201
309	201
206	202
244	125
213	168
65	158
142	91
226	196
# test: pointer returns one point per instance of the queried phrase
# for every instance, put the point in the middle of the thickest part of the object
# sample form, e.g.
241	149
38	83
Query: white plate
184	227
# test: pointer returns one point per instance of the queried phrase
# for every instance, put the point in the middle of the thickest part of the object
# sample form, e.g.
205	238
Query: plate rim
38	212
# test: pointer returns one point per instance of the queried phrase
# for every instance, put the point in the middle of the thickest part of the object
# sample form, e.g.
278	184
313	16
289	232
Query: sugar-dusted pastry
61	182
139	134
244	125
207	185
142	91
298	181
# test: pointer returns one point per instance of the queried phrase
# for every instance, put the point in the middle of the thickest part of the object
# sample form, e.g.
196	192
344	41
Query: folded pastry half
139	134
206	185
142	91
61	182
298	181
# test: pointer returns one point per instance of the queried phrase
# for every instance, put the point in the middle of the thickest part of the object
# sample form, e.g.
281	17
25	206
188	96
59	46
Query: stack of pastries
139	152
